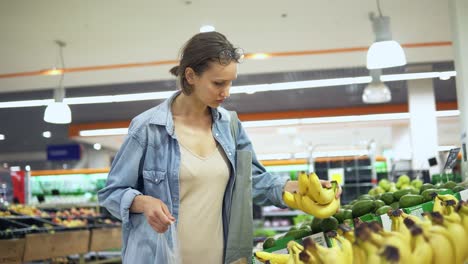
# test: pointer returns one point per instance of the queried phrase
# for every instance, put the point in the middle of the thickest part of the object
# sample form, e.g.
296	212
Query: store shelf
59	206
279	228
283	213
363	184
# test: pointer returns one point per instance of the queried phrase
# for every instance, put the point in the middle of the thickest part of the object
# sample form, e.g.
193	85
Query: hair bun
174	70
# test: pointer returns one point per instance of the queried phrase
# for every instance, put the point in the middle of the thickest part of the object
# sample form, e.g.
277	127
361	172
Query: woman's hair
200	51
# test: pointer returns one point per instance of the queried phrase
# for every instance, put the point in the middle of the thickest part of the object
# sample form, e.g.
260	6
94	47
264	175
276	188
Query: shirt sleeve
121	187
267	189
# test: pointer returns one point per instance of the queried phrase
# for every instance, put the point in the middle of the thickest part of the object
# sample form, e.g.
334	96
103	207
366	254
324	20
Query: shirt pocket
156	185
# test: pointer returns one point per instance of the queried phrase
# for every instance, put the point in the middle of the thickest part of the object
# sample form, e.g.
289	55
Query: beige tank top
203	181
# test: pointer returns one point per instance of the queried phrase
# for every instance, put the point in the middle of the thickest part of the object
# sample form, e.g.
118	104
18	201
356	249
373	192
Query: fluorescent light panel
249	89
104	132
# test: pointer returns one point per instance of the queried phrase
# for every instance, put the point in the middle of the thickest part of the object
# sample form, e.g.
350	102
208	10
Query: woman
178	166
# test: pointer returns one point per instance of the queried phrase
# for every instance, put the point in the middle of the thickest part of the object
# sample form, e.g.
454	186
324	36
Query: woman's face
212	86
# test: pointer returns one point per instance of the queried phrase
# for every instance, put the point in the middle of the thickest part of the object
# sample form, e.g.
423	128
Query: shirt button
217	134
229	153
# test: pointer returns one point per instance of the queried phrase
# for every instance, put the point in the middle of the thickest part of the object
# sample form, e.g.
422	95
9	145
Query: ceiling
119	32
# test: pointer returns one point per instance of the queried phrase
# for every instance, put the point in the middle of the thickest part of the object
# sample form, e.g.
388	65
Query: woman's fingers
168	214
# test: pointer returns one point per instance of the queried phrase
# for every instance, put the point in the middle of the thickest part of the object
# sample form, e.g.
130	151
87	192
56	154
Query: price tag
418	212
451	159
464	195
386	222
318	238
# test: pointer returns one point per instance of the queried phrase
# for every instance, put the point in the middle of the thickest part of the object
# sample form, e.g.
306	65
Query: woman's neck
189	106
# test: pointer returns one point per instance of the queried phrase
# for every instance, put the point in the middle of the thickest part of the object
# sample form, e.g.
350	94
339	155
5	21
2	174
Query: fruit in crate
28	210
312	198
74	212
70	222
5	213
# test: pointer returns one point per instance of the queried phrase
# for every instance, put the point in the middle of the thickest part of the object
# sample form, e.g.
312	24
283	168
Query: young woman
179	167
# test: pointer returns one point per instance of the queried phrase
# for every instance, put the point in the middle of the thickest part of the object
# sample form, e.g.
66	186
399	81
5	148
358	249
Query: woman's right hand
157	214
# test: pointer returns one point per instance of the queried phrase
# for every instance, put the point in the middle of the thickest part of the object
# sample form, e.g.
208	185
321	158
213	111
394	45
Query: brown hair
199	51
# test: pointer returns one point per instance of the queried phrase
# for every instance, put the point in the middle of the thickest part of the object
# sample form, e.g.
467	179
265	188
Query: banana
438	207
399	226
347	249
319	194
422	252
371	251
289	200
450	213
441	248
462	209
272	257
294	252
456	233
326	255
320	211
359	256
446	197
298	199
347	232
303	181
315	186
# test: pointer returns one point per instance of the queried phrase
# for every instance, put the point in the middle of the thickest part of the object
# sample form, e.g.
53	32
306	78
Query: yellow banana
359	256
441	248
303	182
347	249
294	252
326	255
320	211
289	200
438	207
463	212
371	251
456	233
272	257
422	251
450	213
446	197
315	186
298	199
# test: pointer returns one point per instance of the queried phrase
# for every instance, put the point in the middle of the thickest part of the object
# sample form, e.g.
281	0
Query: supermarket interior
370	96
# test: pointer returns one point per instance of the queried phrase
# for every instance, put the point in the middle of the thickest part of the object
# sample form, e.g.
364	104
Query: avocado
426	186
383	210
409	200
363	207
348	214
315	226
449	185
269	243
427	194
395	205
366	197
329	224
378	203
340	215
296	234
387	198
398	194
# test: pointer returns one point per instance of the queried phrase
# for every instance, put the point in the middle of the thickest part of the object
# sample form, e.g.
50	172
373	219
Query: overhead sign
451	159
64	152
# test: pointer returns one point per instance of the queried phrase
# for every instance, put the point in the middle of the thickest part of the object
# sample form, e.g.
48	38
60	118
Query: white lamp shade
385	54
57	113
376	93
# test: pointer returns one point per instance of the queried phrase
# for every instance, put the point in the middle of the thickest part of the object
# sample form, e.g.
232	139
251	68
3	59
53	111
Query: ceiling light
2	137
27	168
248	89
97	146
259	56
376	92
207	28
384	52
46	134
53	71
58	112
104	132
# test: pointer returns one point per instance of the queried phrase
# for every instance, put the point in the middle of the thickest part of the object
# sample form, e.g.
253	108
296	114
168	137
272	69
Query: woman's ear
190	75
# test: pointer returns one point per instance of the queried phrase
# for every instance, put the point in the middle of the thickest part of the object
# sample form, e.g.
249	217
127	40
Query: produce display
27	210
438	237
312	198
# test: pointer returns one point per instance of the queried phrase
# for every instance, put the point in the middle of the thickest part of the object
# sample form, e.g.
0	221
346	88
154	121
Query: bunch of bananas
312	198
294	250
438	237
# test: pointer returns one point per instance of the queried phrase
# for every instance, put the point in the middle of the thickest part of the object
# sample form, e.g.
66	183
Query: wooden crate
105	239
11	251
44	246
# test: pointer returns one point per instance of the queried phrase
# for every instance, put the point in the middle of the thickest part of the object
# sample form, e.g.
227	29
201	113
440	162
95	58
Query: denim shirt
148	163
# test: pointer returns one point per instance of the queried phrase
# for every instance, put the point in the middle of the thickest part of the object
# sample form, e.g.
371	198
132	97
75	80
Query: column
459	22
423	123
